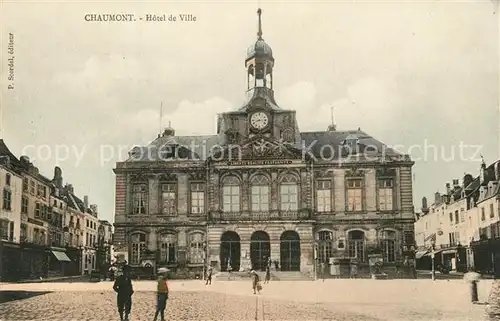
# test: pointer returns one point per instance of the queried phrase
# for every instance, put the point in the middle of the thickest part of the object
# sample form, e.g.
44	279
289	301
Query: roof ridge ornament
259	32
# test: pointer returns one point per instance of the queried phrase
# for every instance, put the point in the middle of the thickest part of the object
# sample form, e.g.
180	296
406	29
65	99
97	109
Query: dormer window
351	142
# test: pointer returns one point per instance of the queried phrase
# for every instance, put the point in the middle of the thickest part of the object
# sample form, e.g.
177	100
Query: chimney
448	188
437	198
69	188
86	201
424	204
58	180
24	159
468	179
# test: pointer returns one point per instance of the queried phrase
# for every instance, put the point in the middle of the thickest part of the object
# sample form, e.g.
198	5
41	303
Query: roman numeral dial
259	120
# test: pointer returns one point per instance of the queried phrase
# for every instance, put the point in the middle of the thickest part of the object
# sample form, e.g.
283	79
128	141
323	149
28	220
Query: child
123	288
161	294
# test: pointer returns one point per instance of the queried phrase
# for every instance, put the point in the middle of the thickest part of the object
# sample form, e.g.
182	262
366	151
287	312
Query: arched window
138	244
388	245
260	194
196	250
168	248
356	245
325	246
231	194
289	200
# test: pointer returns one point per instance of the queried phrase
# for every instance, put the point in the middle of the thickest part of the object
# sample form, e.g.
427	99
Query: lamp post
315	257
433	254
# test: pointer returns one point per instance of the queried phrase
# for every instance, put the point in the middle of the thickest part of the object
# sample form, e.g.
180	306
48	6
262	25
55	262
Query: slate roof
317	142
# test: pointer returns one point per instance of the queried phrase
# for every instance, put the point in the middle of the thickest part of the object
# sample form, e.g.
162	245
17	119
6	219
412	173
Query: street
340	300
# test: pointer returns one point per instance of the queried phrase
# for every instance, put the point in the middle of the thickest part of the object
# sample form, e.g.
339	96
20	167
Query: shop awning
435	252
452	251
420	254
61	256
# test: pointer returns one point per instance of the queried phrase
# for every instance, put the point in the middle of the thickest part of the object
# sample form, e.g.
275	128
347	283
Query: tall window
196	251
169	199
231	194
385	194
355	195
457	217
356	241
483	215
37	210
197	198
23	233
139	198
168	248
260	194
492	211
7	200
138	243
32	187
7	179
325	246
289	199
4	229
24	205
25	184
323	196
388	245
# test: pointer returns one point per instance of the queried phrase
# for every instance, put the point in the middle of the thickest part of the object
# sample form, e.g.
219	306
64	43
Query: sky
422	76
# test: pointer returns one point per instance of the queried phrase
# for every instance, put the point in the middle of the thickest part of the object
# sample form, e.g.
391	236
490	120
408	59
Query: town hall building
260	190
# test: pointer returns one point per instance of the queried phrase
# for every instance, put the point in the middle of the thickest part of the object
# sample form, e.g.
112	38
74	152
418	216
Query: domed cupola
259	61
260	49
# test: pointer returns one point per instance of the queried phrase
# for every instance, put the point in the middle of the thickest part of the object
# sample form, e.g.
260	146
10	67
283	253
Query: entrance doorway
290	251
230	251
260	250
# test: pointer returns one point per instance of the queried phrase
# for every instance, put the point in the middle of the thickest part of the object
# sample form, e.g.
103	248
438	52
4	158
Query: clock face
259	120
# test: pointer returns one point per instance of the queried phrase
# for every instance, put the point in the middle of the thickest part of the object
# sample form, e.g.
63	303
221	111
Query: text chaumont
110	17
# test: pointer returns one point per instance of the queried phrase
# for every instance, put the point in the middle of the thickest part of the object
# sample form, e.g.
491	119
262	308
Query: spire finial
259	33
332	127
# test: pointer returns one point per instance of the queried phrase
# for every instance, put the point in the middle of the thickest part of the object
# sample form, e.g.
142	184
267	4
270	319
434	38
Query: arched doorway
230	251
260	250
290	251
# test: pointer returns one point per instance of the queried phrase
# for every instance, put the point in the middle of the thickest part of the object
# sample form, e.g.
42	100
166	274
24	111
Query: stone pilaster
274	191
152	240
182	195
245	192
153	196
339	190
214	192
370	194
245	254
305	184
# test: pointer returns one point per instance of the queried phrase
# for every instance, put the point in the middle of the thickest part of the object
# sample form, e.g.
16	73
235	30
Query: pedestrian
161	294
123	288
255	282
268	274
276	264
209	276
473	278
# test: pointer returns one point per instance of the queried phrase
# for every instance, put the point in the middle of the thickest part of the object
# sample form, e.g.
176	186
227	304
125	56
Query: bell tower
259	62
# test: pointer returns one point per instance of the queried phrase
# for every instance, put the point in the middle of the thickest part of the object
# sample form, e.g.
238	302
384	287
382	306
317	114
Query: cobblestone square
339	300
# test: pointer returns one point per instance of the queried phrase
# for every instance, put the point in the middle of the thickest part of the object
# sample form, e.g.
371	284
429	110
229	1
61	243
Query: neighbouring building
105	243
48	241
10	217
260	189
462	224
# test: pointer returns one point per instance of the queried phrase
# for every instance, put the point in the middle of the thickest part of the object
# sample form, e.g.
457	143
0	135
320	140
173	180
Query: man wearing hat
123	288
255	282
161	294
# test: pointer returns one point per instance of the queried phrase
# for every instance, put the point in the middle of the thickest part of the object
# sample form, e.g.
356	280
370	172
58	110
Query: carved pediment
259	147
386	172
170	177
139	178
323	173
354	172
197	176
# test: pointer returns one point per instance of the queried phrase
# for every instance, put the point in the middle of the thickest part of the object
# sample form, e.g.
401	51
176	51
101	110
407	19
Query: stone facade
260	189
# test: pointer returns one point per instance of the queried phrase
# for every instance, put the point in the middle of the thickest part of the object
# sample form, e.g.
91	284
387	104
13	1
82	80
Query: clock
259	120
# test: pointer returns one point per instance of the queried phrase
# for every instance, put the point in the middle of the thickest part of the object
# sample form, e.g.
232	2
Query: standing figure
161	294
123	288
268	274
255	282
209	276
276	264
